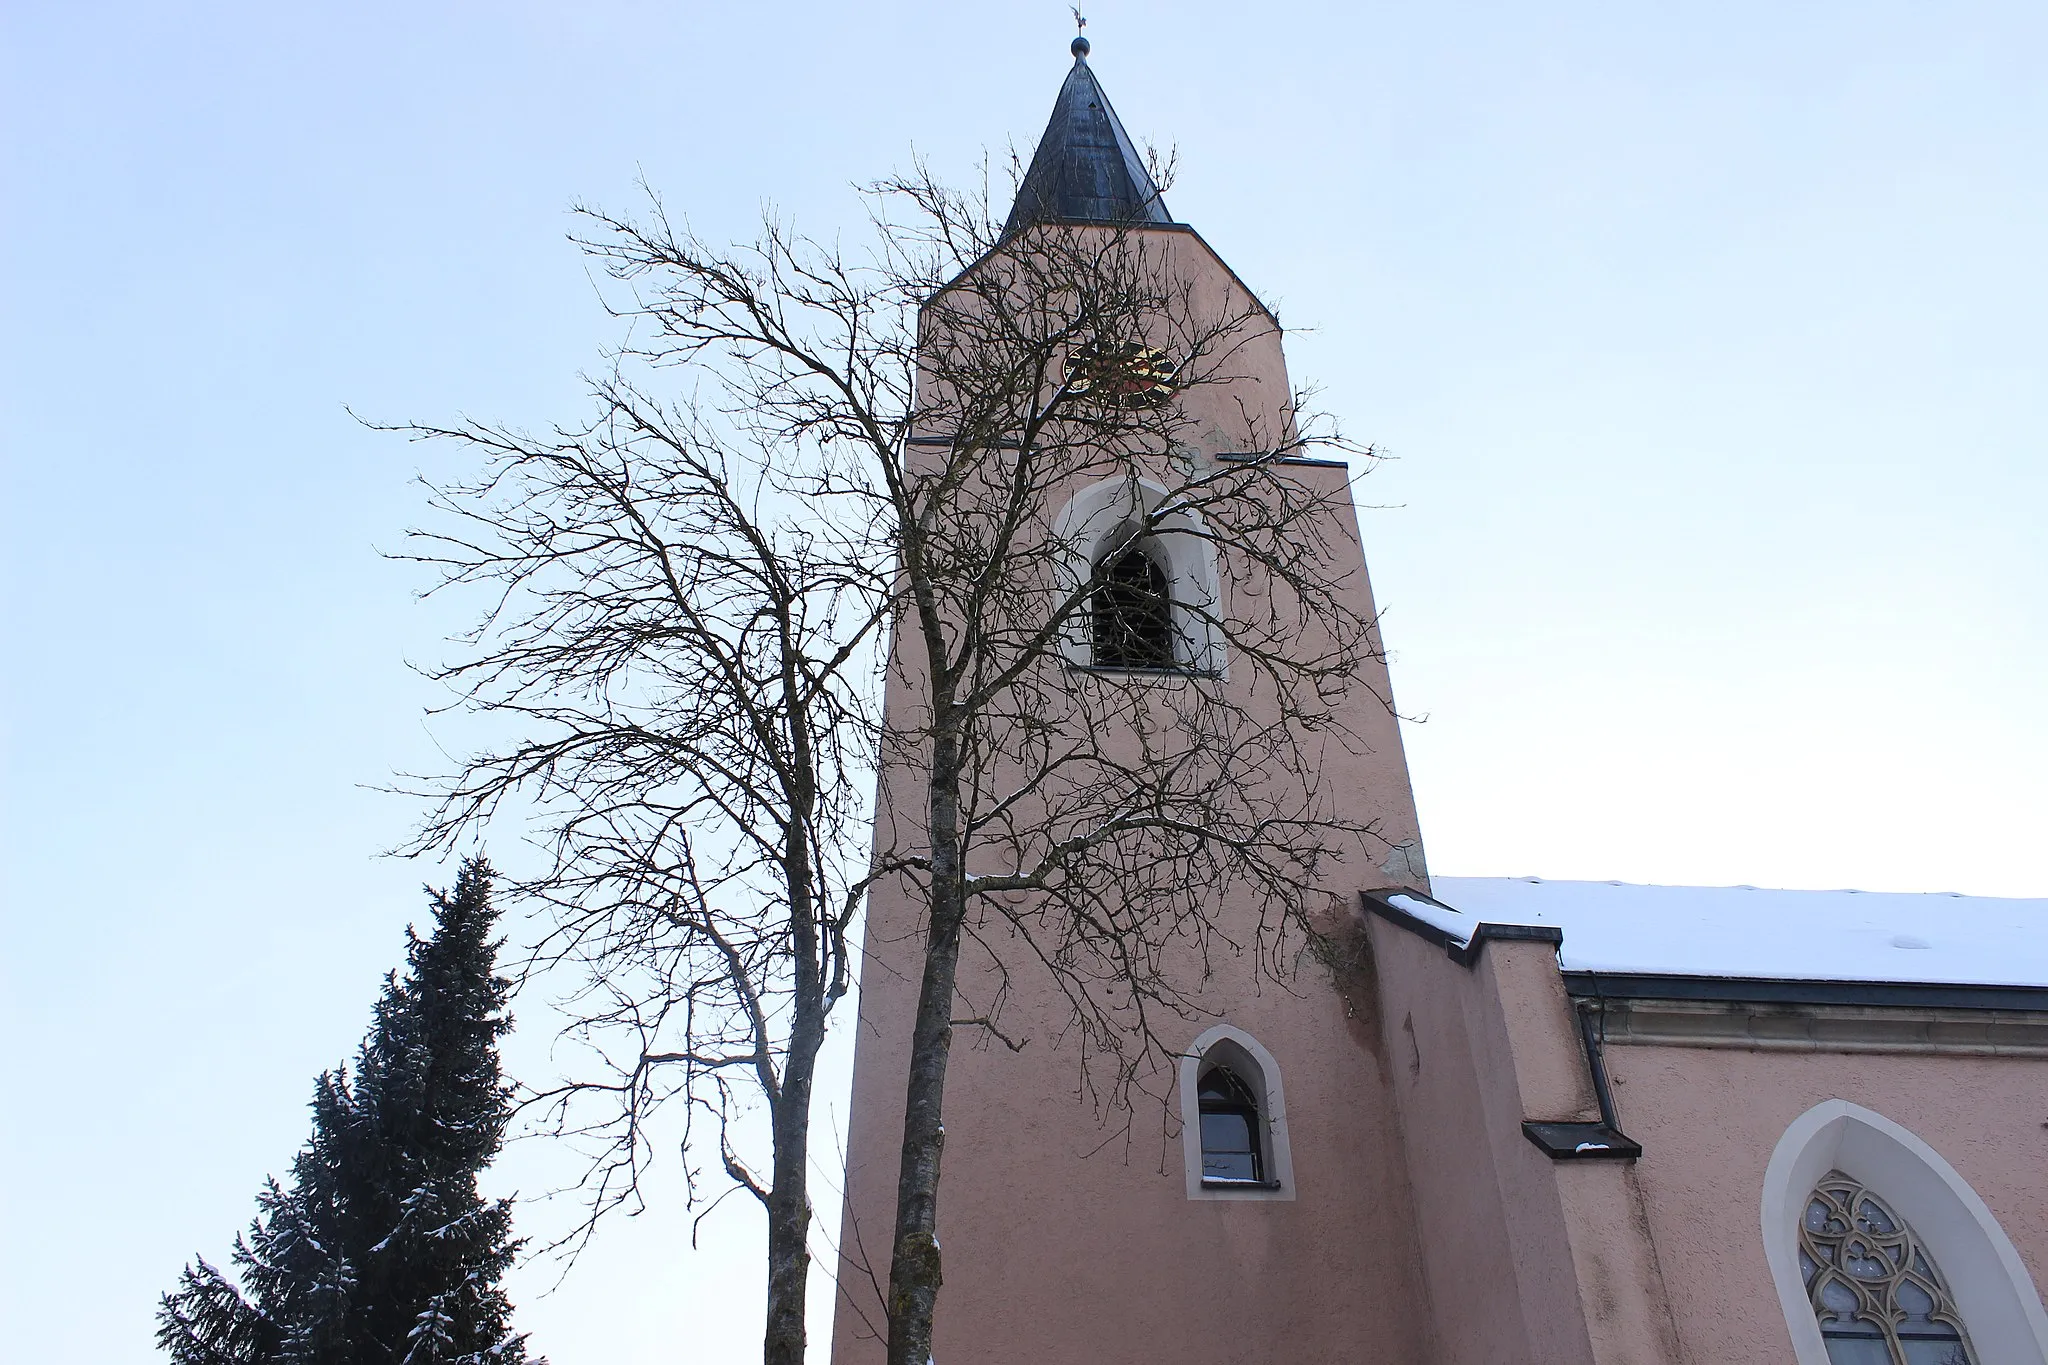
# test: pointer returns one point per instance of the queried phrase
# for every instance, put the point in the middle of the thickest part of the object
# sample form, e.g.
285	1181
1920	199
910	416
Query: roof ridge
1732	886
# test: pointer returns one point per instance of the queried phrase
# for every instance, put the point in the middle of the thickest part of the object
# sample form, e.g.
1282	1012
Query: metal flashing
1299	461
1576	1139
1788	991
1464	952
1579	1141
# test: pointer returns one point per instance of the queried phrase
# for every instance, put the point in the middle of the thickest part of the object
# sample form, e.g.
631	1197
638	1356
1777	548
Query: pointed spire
1085	169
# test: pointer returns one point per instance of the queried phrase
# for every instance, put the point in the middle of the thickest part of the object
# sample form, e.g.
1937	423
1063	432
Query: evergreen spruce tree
379	1251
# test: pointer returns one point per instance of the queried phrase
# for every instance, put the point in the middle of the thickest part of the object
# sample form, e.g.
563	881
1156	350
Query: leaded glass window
1875	1290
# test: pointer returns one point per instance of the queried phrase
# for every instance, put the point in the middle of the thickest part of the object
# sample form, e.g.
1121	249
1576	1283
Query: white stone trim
1993	1292
1256	1067
1084	526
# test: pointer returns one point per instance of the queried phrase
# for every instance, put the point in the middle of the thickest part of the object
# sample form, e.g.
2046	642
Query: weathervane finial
1079	47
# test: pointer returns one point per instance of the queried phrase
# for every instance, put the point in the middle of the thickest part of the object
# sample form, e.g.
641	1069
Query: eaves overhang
1764	990
1133	228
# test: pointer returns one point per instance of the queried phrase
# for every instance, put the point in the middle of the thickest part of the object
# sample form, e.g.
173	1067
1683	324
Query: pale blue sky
1709	338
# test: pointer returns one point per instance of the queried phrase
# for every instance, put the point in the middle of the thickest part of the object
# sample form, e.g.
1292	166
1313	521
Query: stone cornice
1764	1026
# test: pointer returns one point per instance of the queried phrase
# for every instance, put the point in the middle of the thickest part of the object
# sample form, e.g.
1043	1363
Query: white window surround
1085	527
1253	1065
1995	1295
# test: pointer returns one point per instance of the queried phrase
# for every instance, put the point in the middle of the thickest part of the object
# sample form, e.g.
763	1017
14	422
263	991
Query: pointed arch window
1874	1289
1233	1113
1231	1125
1131	608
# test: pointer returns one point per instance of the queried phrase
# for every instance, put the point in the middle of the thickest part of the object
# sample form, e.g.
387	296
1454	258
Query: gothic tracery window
1131	612
1874	1289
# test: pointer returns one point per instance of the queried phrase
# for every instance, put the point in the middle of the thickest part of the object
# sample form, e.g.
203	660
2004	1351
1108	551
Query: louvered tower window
1131	611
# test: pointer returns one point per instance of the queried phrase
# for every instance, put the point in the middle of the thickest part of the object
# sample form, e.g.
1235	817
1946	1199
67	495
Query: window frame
1254	1068
1089	528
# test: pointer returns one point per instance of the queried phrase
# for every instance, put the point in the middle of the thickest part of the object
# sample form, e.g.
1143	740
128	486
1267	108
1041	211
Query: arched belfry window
1131	609
1231	1127
1147	580
1877	1294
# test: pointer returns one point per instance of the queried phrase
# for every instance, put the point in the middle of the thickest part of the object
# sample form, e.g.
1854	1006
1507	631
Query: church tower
1252	1206
1485	1121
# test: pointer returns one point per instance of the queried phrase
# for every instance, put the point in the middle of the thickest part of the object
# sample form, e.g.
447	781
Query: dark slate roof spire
1085	169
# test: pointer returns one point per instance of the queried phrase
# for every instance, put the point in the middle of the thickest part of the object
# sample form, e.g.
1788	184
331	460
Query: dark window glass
1230	1130
1132	612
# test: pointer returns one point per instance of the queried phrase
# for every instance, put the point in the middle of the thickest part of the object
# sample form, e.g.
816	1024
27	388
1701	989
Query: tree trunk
914	1276
789	1201
789	1204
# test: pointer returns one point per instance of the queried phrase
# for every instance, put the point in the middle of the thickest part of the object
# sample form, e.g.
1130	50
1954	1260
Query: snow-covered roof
1744	931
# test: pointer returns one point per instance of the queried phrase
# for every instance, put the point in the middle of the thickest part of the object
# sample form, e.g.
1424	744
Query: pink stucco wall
1661	1259
1709	1119
1068	1238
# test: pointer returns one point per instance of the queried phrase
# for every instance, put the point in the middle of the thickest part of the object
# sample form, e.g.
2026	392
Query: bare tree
684	644
869	483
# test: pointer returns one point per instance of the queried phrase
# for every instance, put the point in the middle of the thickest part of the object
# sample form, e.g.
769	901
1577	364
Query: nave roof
1619	928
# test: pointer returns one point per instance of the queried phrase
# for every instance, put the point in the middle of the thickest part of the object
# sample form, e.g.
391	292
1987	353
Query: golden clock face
1128	375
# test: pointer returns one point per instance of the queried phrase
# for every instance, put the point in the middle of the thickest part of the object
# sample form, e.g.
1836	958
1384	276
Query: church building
1517	1122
